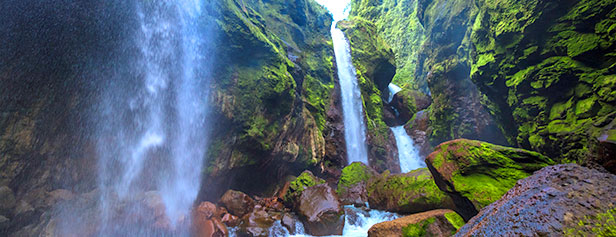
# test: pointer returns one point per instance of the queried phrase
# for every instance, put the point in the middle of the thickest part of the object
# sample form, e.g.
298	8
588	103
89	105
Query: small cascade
408	154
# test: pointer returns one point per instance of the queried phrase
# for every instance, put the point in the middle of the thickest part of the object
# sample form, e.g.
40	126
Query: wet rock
257	223
290	221
4	223
230	220
59	195
353	182
206	223
297	186
432	223
237	203
24	212
418	129
321	211
7	201
558	200
464	168
607	150
408	102
412	192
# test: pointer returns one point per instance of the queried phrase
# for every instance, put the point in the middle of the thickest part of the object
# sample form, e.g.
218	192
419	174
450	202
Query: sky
336	7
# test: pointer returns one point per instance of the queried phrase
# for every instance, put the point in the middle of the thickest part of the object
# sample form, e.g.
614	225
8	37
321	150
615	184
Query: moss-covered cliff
543	70
272	92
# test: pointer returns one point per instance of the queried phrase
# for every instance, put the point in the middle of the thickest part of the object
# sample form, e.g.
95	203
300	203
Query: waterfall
408	154
352	105
152	123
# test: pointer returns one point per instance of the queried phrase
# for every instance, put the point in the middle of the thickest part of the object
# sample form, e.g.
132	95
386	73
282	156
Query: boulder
206	222
476	173
296	187
607	150
258	222
440	222
237	203
321	211
7	201
353	182
412	192
230	220
290	222
560	200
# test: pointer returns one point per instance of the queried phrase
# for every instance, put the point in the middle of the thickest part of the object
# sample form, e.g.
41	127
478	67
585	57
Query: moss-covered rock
476	174
412	192
353	183
296	187
374	62
432	223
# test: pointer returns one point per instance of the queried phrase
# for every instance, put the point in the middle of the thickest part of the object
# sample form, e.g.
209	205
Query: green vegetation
483	172
297	186
601	224
353	174
407	190
455	220
418	229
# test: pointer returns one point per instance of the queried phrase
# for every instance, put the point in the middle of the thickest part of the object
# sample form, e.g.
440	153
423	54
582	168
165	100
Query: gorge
307	118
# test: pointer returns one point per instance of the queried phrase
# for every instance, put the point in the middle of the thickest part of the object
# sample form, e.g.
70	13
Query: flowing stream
152	122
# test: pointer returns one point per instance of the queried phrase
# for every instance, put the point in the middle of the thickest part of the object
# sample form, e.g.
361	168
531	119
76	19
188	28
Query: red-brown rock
206	223
321	211
237	203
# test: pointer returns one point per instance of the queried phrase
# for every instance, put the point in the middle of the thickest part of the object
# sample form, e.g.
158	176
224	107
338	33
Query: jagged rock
206	222
353	183
7	201
432	223
321	211
297	186
4	223
258	222
567	200
411	192
418	129
476	173
230	220
237	203
408	102
607	150
290	221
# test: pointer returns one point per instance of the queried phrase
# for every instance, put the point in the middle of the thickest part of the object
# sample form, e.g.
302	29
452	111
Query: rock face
407	103
237	203
272	95
558	200
321	211
432	223
476	174
412	192
295	188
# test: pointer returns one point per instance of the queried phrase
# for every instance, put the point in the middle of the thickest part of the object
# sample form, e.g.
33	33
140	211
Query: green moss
455	220
483	172
406	190
296	187
417	229
611	135
352	174
600	224
585	106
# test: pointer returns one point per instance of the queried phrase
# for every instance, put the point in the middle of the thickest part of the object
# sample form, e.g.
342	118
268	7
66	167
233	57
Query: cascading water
352	106
152	122
408	154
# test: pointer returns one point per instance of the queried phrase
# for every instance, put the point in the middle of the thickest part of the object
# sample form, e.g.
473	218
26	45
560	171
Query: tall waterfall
352	106
152	122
